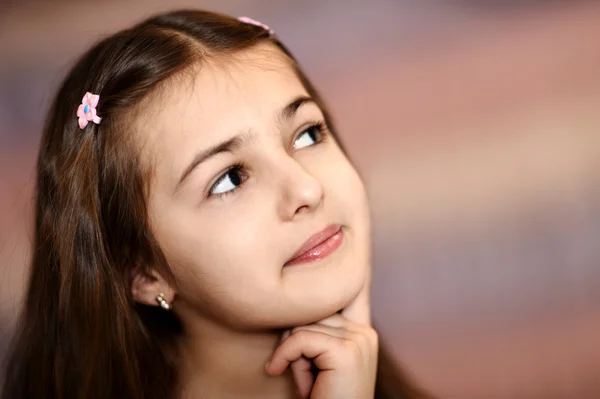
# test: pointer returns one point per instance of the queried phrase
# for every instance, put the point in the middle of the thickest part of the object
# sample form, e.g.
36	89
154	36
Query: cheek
347	192
357	213
218	260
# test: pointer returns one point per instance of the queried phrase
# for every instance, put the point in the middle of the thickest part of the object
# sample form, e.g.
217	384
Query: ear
148	284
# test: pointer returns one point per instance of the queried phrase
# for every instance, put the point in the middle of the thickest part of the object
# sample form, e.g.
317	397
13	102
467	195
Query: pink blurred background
476	125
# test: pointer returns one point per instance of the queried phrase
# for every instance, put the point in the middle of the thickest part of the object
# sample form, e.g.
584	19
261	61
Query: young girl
199	230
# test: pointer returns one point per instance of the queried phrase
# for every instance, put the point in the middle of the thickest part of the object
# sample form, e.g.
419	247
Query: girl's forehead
216	100
255	80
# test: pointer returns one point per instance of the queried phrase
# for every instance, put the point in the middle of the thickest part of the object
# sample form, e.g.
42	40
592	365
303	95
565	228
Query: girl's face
245	171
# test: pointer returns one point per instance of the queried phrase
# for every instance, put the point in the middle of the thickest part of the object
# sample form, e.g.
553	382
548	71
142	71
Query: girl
199	230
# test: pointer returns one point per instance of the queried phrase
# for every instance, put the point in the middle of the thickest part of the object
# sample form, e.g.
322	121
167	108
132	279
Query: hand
343	348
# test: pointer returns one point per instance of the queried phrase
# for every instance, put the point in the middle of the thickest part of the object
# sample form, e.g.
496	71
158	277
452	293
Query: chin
319	306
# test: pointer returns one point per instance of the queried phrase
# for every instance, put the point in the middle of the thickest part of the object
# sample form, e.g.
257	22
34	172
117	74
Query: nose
301	191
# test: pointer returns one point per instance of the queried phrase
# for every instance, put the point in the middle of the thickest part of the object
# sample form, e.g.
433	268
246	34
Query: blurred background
476	125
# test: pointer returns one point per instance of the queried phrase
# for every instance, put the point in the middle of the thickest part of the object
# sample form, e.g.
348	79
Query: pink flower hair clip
87	110
255	22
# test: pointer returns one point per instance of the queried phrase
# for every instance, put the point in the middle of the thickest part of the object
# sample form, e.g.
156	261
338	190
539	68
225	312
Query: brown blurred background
476	125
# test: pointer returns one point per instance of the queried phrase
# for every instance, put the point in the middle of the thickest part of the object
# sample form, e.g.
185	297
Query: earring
160	298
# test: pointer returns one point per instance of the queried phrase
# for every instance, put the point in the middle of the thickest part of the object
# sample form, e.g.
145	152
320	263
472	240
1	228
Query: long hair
81	334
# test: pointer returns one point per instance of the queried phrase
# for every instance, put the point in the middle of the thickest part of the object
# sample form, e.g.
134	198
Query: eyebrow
289	110
235	143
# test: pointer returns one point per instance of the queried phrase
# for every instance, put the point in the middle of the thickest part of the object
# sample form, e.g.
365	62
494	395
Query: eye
309	136
229	181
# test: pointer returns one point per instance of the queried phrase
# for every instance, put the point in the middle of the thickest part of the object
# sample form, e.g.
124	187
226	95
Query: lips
319	245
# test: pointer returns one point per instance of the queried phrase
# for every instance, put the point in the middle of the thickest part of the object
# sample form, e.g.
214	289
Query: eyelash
240	167
319	128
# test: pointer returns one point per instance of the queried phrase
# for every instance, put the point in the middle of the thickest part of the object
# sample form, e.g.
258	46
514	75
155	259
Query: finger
301	371
336	325
303	376
335	320
311	344
333	331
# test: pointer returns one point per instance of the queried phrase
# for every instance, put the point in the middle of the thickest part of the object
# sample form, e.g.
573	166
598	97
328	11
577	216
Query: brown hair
81	334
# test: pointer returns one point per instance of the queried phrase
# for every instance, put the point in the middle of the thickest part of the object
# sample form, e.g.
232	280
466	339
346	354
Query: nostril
303	208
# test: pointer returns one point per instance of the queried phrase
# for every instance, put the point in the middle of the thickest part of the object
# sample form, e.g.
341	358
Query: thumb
359	310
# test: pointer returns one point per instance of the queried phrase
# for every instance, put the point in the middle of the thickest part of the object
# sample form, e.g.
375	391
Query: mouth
318	246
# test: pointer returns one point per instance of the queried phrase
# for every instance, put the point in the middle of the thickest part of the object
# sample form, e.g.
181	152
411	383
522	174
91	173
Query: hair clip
255	22
87	110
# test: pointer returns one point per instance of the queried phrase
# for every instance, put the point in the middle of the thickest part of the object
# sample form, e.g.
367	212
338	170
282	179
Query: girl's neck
218	362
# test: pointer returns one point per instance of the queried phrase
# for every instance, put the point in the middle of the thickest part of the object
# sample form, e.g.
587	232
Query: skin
240	306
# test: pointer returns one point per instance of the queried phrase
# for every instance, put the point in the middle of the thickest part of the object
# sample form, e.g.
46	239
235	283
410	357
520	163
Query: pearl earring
160	298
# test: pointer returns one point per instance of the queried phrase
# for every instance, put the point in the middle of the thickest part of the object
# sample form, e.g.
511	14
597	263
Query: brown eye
229	181
309	136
